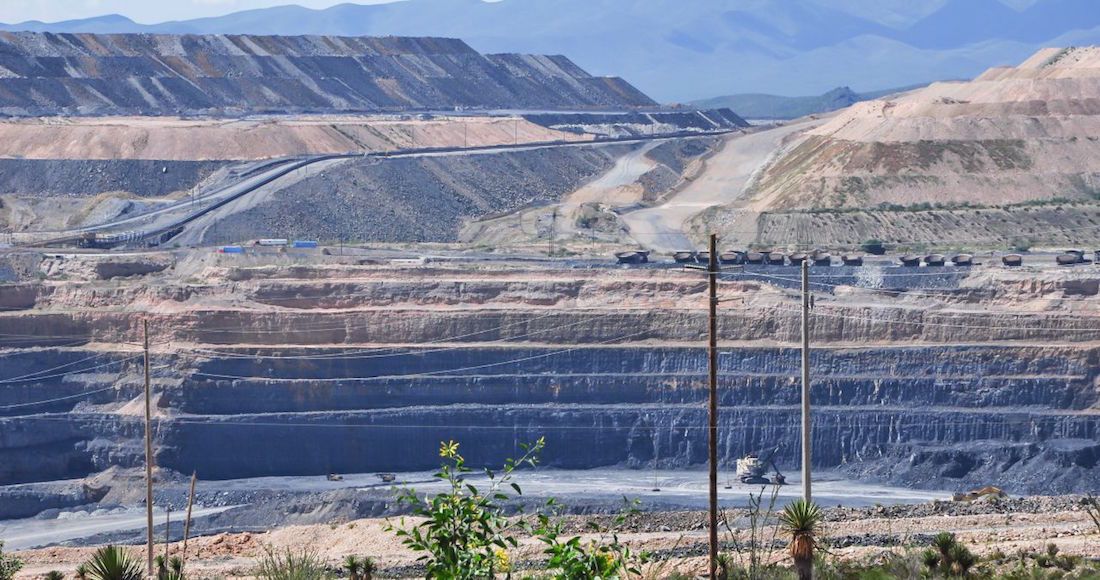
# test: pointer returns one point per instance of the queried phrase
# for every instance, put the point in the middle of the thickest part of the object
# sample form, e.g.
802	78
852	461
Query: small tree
873	246
800	520
9	565
464	528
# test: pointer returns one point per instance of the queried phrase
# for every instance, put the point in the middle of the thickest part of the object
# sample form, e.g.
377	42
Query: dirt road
722	182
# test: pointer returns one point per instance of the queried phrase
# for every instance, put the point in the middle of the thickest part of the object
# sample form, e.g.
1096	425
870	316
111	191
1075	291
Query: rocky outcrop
88	74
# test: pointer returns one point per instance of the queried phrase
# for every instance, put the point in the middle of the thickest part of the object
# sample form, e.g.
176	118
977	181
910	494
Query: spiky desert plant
961	560
353	566
290	565
801	520
114	563
54	575
369	568
943	542
82	572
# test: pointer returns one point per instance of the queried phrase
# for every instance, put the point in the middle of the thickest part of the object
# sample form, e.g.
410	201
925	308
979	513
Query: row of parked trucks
824	258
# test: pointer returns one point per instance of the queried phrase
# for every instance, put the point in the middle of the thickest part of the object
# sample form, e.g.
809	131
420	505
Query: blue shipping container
304	244
231	250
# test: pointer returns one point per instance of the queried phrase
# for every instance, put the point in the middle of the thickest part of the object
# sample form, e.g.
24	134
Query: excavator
752	469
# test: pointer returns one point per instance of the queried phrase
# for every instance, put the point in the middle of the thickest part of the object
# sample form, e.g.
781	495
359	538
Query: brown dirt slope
1012	135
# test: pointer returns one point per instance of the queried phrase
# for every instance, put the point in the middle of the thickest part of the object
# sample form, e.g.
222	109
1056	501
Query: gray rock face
932	416
46	73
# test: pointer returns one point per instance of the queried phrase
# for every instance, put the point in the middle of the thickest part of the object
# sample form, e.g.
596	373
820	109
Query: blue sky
144	11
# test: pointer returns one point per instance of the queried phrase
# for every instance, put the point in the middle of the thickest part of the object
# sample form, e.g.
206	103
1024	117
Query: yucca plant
82	572
172	570
353	566
290	565
369	568
801	520
113	563
54	575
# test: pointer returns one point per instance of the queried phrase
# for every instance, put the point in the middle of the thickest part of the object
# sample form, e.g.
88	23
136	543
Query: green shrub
9	565
574	559
464	534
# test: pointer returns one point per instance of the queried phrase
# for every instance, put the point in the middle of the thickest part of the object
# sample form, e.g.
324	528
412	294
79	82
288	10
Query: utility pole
187	520
148	459
515	131
712	363
806	484
465	134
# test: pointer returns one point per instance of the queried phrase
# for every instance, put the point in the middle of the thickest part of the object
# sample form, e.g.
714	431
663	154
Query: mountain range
763	106
679	51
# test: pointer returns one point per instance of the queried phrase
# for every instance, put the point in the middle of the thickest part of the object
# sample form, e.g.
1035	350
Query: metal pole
148	459
187	521
712	363
167	532
806	456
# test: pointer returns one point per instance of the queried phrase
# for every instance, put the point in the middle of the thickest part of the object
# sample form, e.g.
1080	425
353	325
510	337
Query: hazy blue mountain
764	106
676	50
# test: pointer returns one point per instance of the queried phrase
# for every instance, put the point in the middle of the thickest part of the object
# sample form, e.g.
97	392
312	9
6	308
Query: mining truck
753	469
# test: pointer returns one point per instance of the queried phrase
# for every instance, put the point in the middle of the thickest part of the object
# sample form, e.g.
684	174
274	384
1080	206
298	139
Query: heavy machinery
753	468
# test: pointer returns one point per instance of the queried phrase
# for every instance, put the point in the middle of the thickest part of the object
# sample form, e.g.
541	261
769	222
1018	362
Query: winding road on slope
276	176
723	181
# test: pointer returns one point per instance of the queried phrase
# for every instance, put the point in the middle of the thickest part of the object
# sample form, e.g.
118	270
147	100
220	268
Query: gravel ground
1008	525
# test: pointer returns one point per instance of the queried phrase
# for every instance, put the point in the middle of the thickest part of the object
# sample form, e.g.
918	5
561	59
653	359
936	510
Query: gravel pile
416	199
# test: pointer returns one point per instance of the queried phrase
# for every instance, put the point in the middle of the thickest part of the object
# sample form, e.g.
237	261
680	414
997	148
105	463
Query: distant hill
761	106
171	74
677	51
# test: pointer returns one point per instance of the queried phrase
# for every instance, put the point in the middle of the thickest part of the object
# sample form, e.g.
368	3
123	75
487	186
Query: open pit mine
345	252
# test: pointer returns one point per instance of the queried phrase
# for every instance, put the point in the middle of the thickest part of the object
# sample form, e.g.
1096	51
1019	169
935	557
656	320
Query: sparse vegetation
9	565
291	565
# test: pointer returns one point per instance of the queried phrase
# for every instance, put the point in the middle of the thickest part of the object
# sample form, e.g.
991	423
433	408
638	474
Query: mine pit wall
924	415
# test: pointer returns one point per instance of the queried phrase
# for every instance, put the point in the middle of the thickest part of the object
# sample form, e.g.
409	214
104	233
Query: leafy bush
574	559
114	563
54	575
290	565
464	534
9	565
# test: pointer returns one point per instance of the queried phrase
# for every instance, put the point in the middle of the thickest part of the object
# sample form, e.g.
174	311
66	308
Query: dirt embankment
156	140
1012	136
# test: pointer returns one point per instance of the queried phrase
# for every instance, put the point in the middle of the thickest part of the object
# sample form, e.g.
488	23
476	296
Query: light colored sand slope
259	138
1012	135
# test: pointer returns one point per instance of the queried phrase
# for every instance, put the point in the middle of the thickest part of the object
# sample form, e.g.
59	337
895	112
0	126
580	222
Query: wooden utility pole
167	532
806	456
148	459
187	520
712	363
